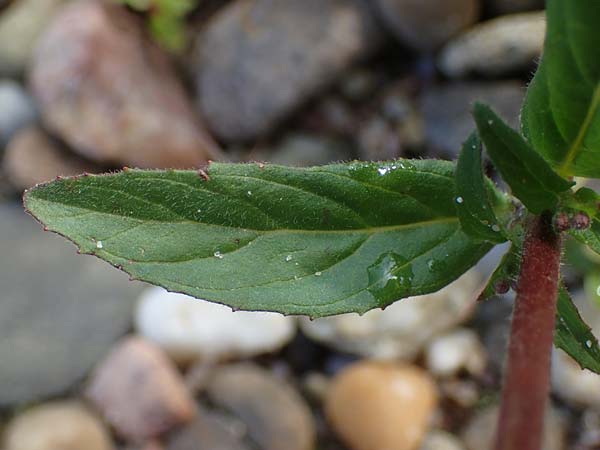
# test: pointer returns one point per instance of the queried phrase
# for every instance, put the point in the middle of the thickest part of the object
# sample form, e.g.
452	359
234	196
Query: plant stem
527	378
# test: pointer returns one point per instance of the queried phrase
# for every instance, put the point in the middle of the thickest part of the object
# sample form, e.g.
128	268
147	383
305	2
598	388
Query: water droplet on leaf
390	278
218	254
99	244
459	200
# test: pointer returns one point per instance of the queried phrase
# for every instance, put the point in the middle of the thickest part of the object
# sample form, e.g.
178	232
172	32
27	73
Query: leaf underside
319	241
561	113
573	335
477	217
530	177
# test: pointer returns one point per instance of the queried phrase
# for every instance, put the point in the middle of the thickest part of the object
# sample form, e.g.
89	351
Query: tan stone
65	425
139	391
381	406
32	157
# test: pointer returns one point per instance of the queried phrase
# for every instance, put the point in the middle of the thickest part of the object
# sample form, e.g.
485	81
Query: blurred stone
189	329
65	425
459	349
257	61
479	432
111	94
447	110
32	157
139	391
276	415
378	140
376	406
304	150
59	312
16	110
20	27
441	440
209	431
513	6
427	24
580	388
403	329
505	45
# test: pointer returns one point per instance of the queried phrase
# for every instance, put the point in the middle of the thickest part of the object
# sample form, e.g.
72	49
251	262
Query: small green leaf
590	237
477	218
505	274
561	113
573	335
319	241
530	177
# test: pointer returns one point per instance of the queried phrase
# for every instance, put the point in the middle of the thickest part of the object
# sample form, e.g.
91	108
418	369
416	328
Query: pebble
381	406
189	329
479	432
441	440
60	425
257	61
508	44
139	392
209	431
305	150
403	329
33	157
446	109
427	24
20	27
16	109
59	312
276	416
131	109
459	349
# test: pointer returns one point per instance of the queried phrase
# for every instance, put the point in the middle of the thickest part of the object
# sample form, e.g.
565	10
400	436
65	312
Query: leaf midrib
577	144
369	230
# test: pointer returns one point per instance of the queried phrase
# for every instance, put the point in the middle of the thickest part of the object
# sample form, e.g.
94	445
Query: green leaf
573	335
530	177
505	274
561	113
477	218
318	241
590	237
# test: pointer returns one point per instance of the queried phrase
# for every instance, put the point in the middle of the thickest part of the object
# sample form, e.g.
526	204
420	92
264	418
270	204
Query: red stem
527	378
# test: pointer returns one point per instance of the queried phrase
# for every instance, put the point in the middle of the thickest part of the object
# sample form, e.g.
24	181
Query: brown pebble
381	406
139	391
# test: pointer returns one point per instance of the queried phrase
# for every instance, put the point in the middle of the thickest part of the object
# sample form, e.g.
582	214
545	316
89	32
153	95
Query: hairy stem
527	378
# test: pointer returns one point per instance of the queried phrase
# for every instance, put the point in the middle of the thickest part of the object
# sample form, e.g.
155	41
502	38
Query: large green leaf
530	177
561	114
573	335
474	209
319	241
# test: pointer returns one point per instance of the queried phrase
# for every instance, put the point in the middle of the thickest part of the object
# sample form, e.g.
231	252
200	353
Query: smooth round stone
275	415
426	24
460	349
504	45
381	406
189	329
402	329
59	312
57	426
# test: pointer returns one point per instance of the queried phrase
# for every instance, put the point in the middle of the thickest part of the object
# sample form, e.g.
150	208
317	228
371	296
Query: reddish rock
112	94
32	157
139	391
